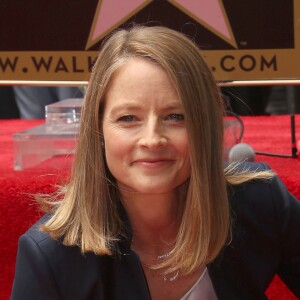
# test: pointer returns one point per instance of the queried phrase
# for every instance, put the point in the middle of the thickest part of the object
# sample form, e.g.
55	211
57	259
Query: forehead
135	70
141	80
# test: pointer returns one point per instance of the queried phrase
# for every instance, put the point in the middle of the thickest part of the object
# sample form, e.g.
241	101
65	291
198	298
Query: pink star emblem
112	13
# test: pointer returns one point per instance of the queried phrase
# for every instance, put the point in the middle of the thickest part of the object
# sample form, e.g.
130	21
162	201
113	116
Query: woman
149	211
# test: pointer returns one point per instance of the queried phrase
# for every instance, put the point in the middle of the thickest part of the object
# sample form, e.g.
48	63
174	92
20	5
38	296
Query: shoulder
52	267
258	190
34	237
258	194
265	235
40	248
47	251
35	233
264	205
51	249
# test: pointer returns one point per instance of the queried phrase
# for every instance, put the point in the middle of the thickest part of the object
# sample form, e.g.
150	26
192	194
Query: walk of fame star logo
110	14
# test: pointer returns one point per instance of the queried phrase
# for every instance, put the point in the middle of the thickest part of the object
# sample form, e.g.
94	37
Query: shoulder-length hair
88	214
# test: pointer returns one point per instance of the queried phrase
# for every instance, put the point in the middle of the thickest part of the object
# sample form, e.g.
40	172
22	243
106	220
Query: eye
175	117
127	118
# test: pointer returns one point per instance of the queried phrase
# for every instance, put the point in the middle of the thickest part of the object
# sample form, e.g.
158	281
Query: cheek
116	150
185	152
183	146
112	150
111	159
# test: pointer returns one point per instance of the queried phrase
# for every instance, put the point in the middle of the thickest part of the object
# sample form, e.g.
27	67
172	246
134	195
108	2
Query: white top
202	289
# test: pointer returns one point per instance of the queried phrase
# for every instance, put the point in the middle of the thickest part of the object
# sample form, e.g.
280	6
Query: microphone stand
294	152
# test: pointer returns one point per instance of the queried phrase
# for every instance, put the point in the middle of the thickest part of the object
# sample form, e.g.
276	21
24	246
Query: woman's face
146	142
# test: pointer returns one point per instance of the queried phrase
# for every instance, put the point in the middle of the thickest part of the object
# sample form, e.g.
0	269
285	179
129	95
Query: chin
152	188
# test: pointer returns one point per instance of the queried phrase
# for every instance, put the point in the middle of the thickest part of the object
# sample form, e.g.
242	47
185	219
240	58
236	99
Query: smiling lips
153	163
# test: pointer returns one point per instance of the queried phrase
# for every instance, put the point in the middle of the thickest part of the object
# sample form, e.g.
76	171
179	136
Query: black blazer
265	242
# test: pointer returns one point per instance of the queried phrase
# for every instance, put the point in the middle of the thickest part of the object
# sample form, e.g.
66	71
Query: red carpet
19	211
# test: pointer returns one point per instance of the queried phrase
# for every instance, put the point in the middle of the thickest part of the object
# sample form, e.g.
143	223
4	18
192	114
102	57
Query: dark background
61	25
51	25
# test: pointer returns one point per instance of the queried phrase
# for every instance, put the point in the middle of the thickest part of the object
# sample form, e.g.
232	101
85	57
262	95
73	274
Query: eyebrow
132	106
125	106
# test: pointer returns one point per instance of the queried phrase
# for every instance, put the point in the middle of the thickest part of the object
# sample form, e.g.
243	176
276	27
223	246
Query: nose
153	135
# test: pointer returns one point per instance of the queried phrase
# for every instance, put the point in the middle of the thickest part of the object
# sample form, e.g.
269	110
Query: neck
154	220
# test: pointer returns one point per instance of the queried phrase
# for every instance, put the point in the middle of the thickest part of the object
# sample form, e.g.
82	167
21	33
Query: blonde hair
88	214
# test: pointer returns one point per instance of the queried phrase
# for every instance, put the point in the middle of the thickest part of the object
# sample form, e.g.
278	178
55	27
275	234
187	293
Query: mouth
153	163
